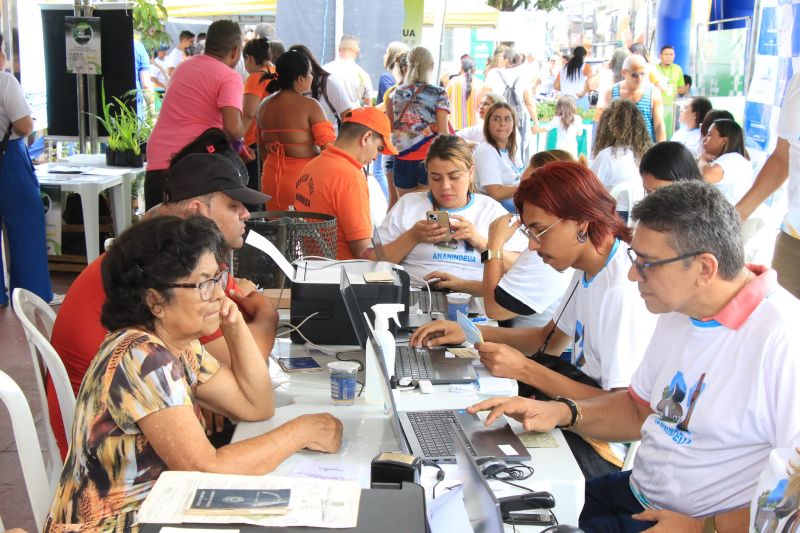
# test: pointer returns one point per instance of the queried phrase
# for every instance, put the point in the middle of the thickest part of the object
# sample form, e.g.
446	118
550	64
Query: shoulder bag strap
410	101
330	105
543	348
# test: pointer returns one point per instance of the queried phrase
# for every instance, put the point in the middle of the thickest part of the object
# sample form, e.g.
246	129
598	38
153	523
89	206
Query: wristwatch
488	255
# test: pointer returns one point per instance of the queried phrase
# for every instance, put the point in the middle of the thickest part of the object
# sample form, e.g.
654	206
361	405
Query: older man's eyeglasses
206	287
637	75
641	267
537	237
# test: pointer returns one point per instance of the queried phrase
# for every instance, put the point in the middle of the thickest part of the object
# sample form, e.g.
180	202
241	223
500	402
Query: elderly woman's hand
425	231
465	231
500	230
229	315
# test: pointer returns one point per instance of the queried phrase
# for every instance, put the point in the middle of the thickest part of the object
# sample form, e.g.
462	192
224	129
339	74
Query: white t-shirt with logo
608	322
537	285
495	168
789	129
724	399
12	103
456	257
774	507
737	177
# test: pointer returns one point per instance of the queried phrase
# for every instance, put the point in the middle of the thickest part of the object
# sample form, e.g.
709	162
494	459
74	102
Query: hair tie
211	149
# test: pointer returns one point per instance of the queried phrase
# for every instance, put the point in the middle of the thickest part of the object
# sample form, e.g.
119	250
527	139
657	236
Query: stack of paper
312	502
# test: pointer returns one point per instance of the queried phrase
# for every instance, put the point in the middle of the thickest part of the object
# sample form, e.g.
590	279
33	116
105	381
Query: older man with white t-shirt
717	388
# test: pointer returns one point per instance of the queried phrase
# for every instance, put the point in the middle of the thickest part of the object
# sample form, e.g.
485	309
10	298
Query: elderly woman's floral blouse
111	466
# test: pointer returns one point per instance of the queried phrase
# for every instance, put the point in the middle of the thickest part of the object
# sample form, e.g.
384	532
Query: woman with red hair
570	221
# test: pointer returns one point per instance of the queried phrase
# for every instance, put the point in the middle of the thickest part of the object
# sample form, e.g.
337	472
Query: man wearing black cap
207	184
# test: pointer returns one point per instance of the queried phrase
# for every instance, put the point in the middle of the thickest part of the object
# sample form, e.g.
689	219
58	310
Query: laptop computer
428	434
482	506
416	363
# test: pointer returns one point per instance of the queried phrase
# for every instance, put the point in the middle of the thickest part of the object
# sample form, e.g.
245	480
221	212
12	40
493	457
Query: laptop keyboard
432	429
413	362
438	301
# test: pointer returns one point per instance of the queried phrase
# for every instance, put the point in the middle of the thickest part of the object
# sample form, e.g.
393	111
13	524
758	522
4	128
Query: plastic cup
343	382
457	301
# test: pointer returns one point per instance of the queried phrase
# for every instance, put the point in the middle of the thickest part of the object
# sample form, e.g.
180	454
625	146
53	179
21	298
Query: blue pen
479	319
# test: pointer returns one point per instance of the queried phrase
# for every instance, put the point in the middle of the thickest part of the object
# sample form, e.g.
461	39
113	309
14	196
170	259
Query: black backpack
510	94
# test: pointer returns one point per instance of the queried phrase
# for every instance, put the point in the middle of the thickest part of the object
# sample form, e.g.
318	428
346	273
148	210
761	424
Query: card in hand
471	331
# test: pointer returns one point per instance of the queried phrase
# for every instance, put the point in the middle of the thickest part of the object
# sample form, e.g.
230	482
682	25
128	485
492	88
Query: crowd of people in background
614	263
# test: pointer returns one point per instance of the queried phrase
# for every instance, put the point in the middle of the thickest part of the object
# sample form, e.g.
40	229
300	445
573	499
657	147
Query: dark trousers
154	187
609	506
591	463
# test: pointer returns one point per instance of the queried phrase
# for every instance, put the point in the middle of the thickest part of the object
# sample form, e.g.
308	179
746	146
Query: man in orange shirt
335	183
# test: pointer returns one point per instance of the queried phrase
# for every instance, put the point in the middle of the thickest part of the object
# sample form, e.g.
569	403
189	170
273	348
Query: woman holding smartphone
445	228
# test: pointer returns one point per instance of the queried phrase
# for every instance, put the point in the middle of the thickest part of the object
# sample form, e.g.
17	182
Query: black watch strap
573	408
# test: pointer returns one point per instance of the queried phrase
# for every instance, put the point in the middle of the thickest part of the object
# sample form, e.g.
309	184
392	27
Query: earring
582	236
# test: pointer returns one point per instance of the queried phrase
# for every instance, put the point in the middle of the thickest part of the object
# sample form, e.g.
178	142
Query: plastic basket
296	234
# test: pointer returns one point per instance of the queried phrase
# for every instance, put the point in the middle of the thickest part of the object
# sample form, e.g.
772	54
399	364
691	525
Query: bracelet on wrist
574	410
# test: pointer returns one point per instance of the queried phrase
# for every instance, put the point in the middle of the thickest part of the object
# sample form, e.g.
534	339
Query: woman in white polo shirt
498	161
422	246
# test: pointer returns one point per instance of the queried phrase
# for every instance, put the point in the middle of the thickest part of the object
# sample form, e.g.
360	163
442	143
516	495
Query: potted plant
126	132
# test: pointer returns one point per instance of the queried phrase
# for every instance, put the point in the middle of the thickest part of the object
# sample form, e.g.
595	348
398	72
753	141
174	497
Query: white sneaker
58	299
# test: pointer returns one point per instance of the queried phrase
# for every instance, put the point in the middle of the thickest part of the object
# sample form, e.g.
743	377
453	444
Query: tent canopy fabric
469	13
194	8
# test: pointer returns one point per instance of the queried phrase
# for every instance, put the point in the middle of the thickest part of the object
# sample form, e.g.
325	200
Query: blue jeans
380	177
409	174
609	506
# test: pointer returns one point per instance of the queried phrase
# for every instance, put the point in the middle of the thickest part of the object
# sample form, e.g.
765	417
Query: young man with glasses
207	184
717	388
636	88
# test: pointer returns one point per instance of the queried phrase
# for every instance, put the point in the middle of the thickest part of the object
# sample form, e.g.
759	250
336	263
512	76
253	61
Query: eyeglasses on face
537	237
637	75
206	287
641	268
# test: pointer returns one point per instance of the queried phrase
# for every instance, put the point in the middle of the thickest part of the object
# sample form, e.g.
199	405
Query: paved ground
15	361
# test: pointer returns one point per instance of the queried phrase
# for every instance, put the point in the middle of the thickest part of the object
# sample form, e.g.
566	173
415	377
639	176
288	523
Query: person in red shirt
208	184
334	182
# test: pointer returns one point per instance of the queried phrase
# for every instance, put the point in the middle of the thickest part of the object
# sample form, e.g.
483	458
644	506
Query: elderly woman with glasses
570	221
138	409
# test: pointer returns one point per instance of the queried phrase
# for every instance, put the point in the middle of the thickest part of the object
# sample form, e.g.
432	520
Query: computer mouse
563	528
404	382
425	386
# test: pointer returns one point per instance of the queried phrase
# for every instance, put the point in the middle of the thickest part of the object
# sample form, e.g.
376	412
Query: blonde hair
566	109
540	159
420	65
393	53
512	139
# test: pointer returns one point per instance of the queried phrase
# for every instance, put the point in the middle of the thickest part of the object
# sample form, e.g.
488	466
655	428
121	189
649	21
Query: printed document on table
312	503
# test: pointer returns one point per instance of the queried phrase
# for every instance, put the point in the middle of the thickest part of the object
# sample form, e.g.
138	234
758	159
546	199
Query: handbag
4	142
555	363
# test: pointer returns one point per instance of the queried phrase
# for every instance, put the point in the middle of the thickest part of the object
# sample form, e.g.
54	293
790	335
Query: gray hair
617	61
495	98
695	217
265	30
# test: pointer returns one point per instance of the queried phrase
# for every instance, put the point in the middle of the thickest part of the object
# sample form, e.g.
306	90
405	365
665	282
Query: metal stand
87	88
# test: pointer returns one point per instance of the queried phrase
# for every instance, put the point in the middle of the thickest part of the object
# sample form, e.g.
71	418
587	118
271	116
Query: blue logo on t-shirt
671	409
579	359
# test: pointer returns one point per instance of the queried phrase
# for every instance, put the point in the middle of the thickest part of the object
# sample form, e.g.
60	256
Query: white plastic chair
40	492
29	308
627	464
628	192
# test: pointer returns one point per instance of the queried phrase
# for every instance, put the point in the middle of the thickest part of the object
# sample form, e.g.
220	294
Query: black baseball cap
199	174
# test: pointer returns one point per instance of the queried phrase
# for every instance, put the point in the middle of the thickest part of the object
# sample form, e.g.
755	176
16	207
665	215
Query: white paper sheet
313	502
262	243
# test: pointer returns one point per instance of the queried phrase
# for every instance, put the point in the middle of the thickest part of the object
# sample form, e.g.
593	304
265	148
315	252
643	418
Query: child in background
568	125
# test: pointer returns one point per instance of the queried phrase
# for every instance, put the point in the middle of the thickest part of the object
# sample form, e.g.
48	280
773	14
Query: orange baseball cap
376	120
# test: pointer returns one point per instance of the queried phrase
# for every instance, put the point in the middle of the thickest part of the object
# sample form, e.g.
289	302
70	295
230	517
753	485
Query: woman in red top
257	61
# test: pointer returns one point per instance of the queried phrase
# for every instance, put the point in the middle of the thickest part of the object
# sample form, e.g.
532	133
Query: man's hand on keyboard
437	333
534	415
502	360
446	280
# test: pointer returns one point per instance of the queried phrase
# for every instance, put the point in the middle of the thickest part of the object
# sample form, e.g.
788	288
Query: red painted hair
572	191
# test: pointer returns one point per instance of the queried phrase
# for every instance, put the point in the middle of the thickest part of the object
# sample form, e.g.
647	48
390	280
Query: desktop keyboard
413	362
433	431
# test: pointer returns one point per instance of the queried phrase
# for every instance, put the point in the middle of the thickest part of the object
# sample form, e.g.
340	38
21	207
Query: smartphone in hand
442	219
